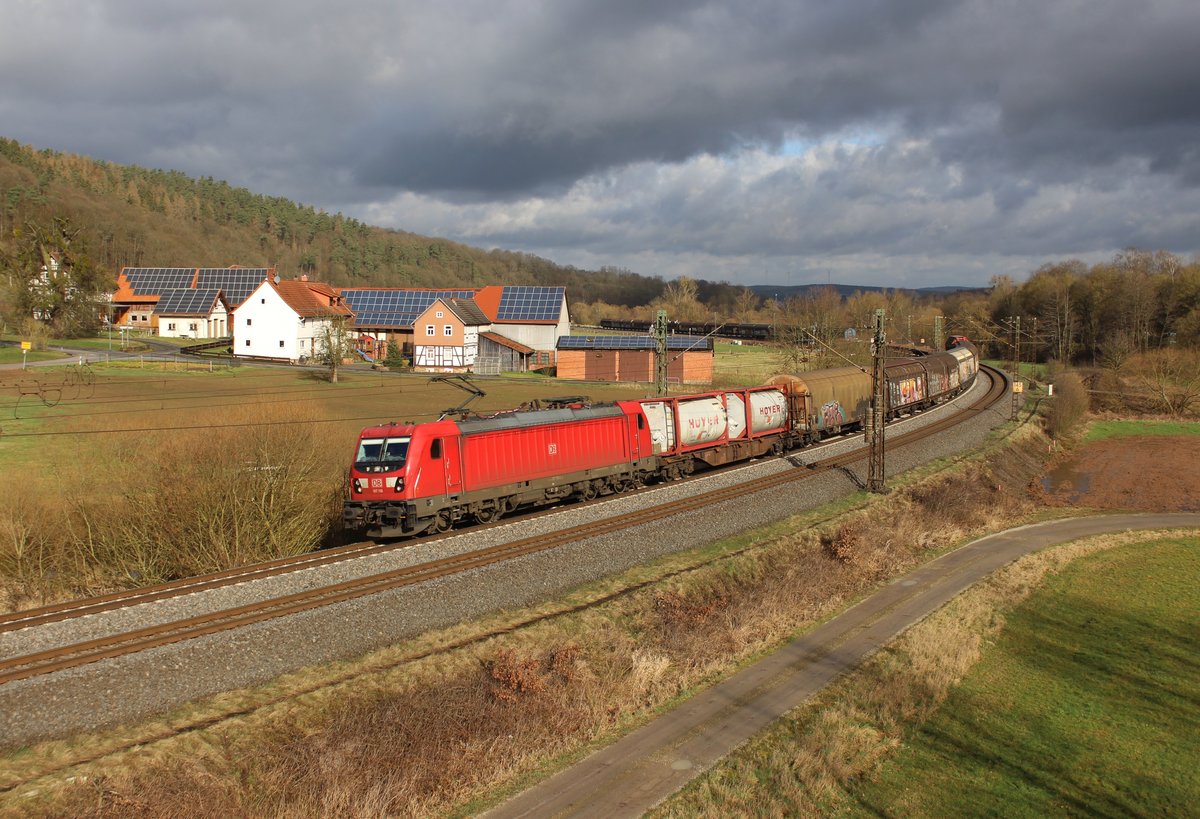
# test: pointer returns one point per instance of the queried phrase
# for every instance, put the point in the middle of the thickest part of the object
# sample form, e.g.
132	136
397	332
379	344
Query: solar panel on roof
632	343
185	301
530	304
236	282
394	308
151	281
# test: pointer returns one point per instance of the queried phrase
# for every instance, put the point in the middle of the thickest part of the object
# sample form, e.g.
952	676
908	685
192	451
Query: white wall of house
182	326
312	335
537	336
214	325
264	326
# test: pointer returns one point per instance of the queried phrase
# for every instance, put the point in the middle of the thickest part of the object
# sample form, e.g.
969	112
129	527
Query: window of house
247	342
191	326
264	301
281	342
441	314
429	330
449	329
171	326
249	322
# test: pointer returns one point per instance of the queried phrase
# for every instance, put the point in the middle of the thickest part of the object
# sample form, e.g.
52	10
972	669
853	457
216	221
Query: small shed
631	358
499	354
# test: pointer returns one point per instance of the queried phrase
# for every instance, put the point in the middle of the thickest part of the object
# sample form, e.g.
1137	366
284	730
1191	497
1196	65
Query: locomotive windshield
381	454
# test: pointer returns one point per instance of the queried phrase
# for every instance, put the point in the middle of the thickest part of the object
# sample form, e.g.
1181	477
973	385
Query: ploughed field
1143	473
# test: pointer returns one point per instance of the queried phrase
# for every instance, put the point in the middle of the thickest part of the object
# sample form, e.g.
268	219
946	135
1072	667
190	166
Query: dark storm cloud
681	134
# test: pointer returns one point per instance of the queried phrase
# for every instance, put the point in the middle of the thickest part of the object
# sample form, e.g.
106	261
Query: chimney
276	278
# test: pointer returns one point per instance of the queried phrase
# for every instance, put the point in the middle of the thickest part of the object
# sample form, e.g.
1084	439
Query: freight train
747	332
409	479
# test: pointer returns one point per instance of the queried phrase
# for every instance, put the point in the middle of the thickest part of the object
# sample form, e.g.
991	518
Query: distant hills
785	292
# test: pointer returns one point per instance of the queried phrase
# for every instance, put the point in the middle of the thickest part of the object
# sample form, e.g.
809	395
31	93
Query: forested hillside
116	215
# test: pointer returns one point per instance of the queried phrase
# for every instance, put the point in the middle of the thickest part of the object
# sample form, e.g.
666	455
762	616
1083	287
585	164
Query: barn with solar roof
139	290
523	325
631	358
187	313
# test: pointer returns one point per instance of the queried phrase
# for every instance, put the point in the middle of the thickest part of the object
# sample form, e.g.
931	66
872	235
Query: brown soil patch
1151	474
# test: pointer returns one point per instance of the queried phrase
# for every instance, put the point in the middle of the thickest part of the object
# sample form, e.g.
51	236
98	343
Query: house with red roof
288	320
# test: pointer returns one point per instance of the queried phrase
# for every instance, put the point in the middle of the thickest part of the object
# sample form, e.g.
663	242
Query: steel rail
70	656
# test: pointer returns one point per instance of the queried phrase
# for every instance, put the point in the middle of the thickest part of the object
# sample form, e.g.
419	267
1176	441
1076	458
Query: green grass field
14	355
743	364
1088	704
1101	430
64	409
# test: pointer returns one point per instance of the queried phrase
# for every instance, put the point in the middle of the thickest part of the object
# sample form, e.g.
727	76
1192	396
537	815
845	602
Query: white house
287	320
187	313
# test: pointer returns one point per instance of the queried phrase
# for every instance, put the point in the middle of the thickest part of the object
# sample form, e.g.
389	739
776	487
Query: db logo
376	483
552	449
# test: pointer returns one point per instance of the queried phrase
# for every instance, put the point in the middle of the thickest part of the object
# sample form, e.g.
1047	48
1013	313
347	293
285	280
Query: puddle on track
1066	479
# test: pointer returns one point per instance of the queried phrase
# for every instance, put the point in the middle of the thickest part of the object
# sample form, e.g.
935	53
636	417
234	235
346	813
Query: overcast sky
871	142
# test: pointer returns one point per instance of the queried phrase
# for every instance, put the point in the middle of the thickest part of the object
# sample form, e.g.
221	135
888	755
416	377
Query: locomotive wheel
440	524
588	492
487	515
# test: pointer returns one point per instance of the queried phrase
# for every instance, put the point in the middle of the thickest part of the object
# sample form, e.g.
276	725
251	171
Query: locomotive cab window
381	454
435	448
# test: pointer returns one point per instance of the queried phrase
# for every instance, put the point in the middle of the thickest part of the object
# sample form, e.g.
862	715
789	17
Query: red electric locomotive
413	478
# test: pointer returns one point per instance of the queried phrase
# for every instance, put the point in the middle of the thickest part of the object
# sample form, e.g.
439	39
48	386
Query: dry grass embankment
440	734
161	505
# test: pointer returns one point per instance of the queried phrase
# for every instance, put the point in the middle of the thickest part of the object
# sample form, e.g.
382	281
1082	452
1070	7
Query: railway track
91	651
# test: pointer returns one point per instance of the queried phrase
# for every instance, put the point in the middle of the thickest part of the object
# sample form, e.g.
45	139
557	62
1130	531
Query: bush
1069	404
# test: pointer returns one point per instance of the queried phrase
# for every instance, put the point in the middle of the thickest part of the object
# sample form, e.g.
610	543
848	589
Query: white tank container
735	411
768	411
701	420
661	420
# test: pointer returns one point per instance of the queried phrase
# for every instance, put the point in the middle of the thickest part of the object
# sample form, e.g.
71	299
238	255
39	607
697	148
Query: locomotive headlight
399	484
358	485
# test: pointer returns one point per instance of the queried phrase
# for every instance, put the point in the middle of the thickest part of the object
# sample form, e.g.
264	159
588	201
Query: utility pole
1017	384
876	475
660	353
939	335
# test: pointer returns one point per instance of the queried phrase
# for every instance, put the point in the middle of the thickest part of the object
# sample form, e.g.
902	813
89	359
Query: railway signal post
876	476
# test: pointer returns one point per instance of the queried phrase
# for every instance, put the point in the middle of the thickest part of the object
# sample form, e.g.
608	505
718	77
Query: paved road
645	767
